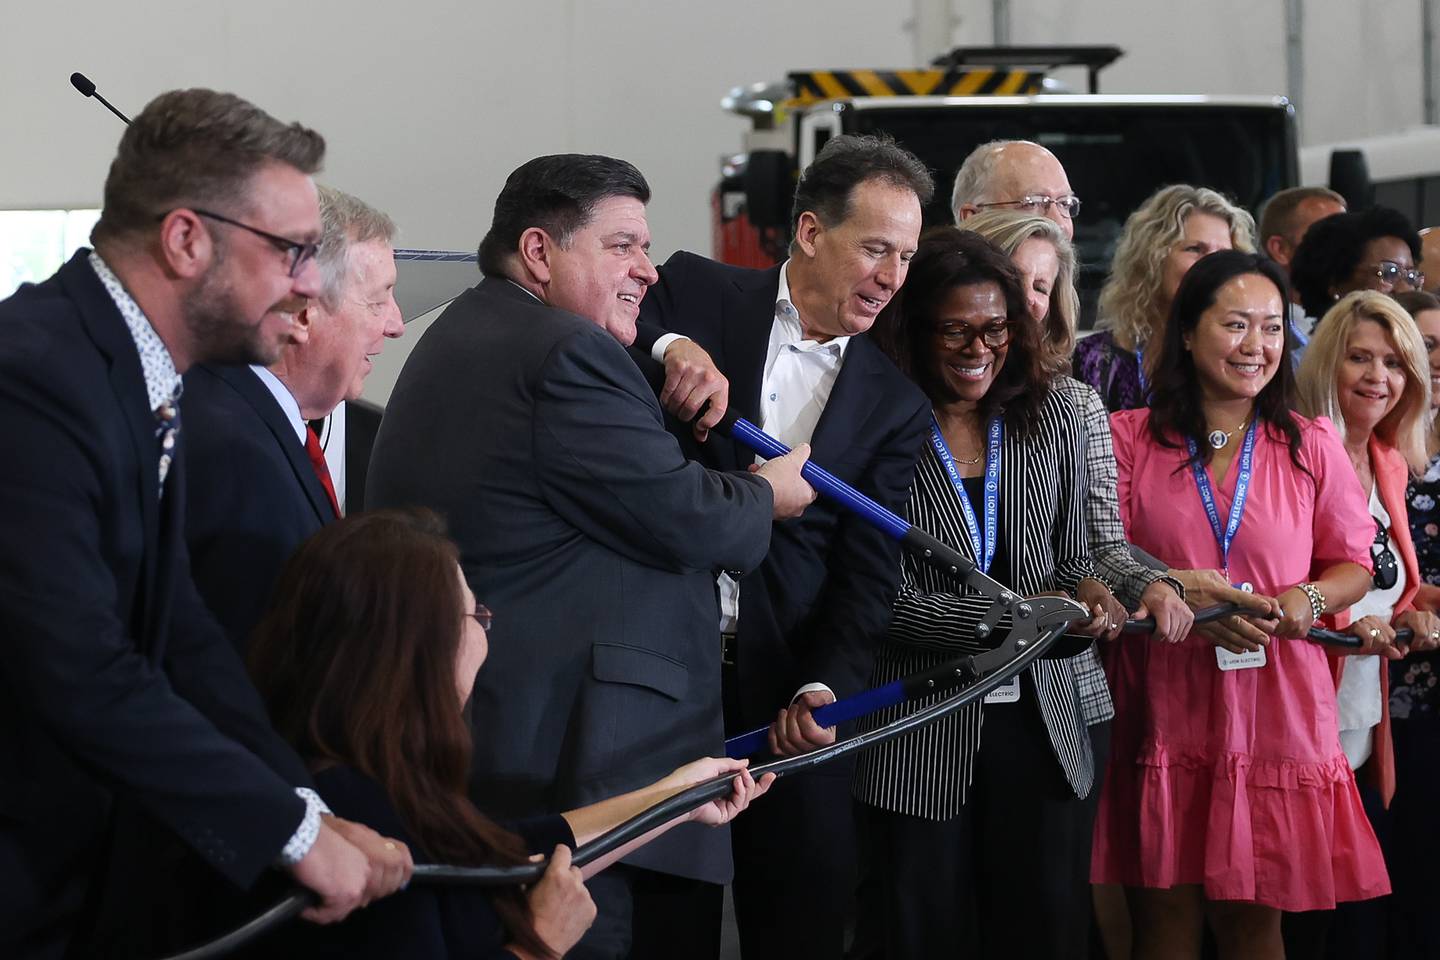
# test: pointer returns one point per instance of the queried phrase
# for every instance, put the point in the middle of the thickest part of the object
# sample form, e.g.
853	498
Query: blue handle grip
822	480
832	714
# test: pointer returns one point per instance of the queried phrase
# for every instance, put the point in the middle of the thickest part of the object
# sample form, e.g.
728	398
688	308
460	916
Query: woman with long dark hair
959	823
365	660
1228	796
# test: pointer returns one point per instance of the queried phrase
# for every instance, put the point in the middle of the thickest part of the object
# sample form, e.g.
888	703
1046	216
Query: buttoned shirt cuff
309	829
812	688
662	343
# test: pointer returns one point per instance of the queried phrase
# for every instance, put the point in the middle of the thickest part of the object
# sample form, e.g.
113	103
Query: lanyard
983	541
1140	368
1237	506
1299	334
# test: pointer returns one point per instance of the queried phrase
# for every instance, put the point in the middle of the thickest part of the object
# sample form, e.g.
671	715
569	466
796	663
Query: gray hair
975	174
345	221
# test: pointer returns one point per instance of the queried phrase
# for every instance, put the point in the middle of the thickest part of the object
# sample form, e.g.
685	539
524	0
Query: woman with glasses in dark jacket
1373	249
975	831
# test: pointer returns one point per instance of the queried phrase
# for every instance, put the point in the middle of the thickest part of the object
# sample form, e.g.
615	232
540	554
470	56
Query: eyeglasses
1391	272
1387	570
958	336
298	252
1069	207
482	616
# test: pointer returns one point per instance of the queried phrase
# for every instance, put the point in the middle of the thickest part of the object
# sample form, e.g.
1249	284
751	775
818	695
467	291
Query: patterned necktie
167	417
322	469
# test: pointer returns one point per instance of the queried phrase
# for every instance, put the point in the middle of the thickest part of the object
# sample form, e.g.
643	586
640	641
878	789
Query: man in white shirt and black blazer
802	629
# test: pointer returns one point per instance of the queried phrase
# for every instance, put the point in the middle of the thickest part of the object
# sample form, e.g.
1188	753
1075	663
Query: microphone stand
87	89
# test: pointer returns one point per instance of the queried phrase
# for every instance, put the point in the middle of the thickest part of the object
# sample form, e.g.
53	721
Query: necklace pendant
1218	439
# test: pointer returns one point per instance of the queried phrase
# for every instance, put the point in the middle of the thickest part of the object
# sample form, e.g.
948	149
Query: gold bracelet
1316	598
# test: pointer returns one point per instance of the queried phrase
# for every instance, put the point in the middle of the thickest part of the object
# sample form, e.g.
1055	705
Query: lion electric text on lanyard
985	533
1225	538
983	538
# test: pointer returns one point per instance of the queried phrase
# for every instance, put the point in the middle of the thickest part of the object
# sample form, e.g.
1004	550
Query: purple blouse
1113	371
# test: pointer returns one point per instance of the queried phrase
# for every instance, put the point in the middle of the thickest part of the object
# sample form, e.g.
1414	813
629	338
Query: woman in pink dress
1228	797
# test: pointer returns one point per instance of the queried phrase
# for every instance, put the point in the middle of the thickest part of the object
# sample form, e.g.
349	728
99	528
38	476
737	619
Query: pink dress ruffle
1235	780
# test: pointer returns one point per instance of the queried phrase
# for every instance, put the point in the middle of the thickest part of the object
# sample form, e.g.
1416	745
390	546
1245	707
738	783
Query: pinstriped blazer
1042	518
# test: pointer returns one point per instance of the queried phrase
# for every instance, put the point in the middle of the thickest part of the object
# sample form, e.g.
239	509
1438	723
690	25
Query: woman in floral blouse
1414	843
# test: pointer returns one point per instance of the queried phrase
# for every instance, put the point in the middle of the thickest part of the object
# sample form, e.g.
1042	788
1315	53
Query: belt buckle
727	649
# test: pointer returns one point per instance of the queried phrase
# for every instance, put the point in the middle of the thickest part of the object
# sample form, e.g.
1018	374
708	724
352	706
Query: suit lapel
108	332
747	315
246	383
1014	481
852	400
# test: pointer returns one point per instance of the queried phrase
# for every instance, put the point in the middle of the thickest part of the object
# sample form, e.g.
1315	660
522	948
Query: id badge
1005	693
1226	660
1239	661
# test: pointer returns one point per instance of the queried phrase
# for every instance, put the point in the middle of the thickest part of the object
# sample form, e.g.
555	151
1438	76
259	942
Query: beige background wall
427	105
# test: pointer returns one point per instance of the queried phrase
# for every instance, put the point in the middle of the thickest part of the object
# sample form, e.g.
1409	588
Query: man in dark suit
520	416
121	704
258	475
803	628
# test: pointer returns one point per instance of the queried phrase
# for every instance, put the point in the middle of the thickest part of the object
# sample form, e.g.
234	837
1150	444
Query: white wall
429	104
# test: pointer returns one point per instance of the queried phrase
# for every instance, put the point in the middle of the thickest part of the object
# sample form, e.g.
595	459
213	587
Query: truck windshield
1115	155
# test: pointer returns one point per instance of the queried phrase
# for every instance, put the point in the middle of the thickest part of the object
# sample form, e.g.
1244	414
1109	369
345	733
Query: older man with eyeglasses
1015	175
259	481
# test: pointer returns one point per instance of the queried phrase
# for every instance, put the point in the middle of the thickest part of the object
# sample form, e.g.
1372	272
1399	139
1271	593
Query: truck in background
1116	149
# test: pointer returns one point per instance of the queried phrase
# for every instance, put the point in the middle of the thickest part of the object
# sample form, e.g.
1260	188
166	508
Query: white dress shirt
286	399
1358	699
799	376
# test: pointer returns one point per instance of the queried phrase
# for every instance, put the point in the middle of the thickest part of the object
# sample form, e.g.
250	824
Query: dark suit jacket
254	496
118	692
592	539
818	606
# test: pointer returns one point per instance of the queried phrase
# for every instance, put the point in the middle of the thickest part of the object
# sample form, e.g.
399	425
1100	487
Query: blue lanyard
984	542
1140	367
1299	334
1237	506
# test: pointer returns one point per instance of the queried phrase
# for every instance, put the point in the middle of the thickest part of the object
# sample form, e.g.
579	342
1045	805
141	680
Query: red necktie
322	471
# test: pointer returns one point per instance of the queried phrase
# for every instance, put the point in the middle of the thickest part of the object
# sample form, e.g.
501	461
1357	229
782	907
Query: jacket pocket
622	663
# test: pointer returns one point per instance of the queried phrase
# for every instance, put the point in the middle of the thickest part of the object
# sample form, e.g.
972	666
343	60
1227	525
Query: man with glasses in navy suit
126	716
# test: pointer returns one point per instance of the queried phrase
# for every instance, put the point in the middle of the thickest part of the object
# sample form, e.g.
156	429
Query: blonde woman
1366	369
1162	239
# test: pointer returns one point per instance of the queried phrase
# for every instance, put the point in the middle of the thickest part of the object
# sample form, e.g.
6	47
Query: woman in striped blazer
971	842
